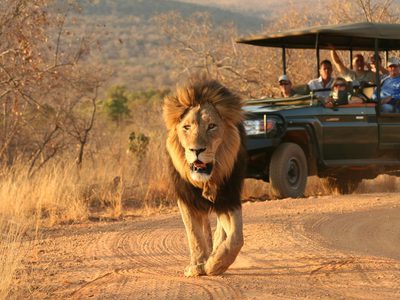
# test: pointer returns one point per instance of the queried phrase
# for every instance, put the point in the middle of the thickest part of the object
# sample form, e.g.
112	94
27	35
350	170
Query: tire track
376	278
375	232
137	284
150	258
369	256
292	250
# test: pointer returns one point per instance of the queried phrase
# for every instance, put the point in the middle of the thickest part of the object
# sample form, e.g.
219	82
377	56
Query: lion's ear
172	111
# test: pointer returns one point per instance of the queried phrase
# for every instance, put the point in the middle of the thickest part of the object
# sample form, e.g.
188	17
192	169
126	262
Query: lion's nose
198	151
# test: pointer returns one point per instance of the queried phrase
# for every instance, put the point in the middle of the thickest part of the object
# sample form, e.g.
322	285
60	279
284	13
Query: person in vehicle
358	74
341	94
285	85
324	81
390	87
372	66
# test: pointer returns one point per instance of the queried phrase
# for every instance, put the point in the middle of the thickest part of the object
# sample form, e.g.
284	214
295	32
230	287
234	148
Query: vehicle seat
368	91
302	89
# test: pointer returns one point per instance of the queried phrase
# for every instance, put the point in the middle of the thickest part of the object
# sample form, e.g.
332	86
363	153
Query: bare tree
196	44
46	80
386	11
79	127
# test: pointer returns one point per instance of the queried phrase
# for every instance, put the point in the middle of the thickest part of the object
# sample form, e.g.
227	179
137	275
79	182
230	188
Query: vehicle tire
341	185
288	171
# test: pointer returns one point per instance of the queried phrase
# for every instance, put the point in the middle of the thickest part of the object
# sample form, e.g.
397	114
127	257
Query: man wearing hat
390	86
285	85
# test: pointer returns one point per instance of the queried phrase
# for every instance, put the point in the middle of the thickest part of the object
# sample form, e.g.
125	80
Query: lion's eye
211	126
186	127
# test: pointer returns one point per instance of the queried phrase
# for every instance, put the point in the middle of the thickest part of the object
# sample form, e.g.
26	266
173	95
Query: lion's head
202	119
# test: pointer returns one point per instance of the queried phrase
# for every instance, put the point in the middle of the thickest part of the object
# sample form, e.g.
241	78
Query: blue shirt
390	87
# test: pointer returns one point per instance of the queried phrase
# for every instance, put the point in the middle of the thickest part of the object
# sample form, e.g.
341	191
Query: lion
206	147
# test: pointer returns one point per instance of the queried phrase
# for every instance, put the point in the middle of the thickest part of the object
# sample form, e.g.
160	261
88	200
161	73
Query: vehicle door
349	132
389	131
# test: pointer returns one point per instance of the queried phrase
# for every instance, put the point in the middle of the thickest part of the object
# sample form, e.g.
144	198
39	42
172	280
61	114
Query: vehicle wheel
288	171
340	185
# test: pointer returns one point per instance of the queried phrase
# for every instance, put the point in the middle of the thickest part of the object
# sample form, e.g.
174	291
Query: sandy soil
337	247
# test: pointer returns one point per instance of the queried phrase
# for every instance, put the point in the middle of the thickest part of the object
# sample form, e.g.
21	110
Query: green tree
116	103
138	145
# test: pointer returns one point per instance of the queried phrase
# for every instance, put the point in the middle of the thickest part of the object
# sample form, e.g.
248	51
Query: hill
150	8
130	40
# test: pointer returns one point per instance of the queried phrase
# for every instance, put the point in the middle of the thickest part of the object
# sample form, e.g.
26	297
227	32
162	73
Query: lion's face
200	133
203	141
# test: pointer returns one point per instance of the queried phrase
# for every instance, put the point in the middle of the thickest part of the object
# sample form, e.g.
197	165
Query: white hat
393	61
283	78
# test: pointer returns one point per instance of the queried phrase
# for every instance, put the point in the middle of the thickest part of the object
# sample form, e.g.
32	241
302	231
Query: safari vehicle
290	139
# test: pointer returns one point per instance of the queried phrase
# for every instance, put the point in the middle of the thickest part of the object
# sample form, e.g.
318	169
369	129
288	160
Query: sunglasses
283	83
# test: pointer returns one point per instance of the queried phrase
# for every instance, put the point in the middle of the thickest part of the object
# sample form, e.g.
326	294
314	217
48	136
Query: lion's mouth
200	167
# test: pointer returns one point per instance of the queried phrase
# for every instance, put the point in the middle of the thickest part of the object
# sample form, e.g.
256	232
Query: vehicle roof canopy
354	36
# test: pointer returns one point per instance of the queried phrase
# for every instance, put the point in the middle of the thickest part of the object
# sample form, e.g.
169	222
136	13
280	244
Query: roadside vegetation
78	142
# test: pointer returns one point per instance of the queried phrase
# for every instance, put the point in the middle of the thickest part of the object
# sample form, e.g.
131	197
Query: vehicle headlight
264	126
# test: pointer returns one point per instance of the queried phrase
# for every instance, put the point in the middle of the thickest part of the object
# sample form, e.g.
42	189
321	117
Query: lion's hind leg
226	252
198	232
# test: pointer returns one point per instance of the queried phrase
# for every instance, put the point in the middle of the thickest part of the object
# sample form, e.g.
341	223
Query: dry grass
112	184
25	205
381	184
10	253
51	195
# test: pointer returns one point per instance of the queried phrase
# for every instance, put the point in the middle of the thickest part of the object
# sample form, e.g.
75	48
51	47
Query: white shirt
367	76
316	84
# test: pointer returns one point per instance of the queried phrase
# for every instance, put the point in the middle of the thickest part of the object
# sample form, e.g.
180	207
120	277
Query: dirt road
338	247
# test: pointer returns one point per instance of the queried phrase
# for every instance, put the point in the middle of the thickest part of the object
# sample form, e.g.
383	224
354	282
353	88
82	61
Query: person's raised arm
338	62
383	70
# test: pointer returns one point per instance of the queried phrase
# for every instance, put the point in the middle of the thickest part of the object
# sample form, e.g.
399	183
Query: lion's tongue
199	164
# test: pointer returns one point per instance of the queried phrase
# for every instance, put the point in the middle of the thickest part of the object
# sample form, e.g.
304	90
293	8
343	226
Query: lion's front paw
194	270
210	192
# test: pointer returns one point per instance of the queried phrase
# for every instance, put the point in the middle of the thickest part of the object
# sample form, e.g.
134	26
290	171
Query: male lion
207	159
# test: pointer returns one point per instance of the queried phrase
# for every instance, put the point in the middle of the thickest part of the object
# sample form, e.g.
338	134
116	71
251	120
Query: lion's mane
229	171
